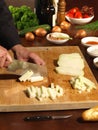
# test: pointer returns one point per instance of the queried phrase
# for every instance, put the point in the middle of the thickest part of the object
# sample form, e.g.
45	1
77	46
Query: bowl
89	41
93	51
95	61
79	21
57	37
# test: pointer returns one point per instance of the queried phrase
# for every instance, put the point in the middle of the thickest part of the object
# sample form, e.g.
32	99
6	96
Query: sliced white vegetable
45	92
38	93
69	71
26	75
59	91
30	76
35	78
71	60
70	64
31	94
33	91
87	82
52	93
82	83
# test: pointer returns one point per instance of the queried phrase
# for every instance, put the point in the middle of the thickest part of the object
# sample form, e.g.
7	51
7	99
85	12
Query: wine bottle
45	12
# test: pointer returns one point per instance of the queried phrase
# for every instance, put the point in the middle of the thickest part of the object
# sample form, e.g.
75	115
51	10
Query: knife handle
37	118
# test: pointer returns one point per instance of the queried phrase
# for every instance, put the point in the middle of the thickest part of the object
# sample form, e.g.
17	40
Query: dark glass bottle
45	11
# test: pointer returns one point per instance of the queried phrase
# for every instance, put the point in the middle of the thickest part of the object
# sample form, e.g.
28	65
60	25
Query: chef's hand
5	58
24	54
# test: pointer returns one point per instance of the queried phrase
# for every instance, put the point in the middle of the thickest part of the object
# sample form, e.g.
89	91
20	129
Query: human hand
25	55
5	58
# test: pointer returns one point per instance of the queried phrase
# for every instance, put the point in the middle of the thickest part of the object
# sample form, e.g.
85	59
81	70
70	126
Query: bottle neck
47	7
46	3
46	11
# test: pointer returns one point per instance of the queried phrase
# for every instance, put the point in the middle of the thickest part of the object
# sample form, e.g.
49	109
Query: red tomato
86	16
78	14
70	15
73	10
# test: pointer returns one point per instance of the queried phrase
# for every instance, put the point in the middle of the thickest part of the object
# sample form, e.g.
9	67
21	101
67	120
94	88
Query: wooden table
15	120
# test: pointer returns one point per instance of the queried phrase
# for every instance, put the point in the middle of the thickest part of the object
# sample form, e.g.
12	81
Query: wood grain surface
14	98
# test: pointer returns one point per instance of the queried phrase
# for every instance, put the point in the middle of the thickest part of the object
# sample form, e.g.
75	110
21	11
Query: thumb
9	58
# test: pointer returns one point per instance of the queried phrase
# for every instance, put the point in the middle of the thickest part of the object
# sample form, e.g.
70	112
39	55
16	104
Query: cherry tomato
70	15
78	14
73	10
86	16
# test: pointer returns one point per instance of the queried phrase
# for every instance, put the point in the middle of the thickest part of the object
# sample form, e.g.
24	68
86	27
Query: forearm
17	47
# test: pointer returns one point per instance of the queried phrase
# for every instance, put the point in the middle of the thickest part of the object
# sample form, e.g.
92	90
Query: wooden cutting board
12	92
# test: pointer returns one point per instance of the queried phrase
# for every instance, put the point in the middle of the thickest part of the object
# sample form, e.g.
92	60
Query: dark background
69	4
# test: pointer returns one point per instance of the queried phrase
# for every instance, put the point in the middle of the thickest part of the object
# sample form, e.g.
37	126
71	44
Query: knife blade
20	67
40	118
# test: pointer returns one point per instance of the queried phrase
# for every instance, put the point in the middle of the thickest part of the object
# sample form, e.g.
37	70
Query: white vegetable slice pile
82	83
51	92
70	64
30	76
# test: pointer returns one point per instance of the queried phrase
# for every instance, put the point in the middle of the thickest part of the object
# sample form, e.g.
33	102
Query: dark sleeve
8	33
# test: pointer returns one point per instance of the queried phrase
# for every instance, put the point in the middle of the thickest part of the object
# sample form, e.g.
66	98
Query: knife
41	118
20	67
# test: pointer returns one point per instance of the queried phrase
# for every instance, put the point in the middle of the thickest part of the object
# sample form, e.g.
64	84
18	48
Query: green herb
23	17
89	27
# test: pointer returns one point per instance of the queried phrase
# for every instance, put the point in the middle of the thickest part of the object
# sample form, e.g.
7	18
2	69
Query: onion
56	29
29	36
65	25
40	32
81	33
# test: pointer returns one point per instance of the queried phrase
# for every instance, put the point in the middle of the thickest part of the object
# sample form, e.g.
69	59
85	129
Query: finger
37	59
2	53
22	59
8	58
2	61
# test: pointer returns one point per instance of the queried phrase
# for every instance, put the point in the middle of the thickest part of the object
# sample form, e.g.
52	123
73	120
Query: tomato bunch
75	12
